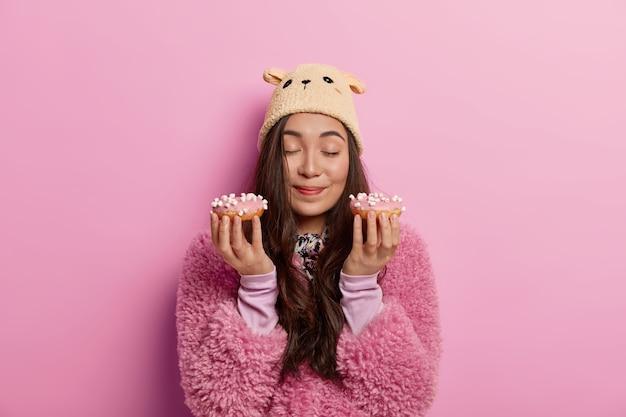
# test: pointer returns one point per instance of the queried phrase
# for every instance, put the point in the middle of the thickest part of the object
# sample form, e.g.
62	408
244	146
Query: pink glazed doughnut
377	202
246	206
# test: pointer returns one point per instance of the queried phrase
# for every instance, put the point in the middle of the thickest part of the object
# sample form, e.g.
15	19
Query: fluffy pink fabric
389	369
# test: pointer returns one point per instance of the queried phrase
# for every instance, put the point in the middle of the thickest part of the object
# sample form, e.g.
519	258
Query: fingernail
383	216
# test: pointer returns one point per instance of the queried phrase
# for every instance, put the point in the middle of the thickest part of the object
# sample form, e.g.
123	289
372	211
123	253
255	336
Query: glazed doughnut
377	202
246	206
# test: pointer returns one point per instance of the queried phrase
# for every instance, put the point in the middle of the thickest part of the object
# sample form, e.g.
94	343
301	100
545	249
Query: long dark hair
309	312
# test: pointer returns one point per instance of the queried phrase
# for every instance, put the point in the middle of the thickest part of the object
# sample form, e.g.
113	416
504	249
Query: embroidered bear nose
305	82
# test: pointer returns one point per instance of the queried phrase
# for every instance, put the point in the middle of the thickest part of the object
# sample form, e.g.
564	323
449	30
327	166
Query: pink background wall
501	123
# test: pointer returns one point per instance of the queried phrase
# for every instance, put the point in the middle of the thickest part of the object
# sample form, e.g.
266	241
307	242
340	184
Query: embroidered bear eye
287	84
328	80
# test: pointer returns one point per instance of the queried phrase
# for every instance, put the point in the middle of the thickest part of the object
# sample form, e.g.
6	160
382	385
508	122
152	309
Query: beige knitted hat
313	88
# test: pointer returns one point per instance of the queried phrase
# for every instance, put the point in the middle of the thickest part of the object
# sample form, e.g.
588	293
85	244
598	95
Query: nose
305	82
309	166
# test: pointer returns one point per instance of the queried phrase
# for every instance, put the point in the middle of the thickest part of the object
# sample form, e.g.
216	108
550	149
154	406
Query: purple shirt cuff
362	299
256	301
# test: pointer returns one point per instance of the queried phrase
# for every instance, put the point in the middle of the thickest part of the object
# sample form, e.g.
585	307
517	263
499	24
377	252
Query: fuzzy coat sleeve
391	368
226	369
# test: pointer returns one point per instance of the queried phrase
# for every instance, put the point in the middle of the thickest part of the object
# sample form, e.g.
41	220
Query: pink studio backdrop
501	123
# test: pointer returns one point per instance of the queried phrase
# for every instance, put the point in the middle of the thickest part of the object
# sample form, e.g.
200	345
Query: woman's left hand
383	238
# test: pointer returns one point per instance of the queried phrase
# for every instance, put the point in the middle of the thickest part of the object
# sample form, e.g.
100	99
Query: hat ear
274	75
355	84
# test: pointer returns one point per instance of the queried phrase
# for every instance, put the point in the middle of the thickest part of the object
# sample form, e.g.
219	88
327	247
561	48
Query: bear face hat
313	88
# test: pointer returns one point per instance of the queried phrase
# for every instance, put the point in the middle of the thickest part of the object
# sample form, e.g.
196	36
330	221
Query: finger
224	234
372	233
395	230
215	226
385	231
236	235
257	233
357	232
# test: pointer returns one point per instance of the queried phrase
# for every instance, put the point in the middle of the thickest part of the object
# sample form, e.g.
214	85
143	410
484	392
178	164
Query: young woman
309	310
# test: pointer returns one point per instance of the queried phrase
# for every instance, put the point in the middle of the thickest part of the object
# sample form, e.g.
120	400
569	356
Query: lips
309	191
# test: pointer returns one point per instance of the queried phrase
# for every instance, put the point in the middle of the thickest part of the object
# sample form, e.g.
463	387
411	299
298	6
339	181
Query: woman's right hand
247	258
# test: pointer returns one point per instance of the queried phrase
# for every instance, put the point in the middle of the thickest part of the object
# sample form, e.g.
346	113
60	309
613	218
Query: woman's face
317	161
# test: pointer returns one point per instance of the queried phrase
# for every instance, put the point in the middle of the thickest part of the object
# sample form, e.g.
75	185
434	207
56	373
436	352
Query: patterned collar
306	252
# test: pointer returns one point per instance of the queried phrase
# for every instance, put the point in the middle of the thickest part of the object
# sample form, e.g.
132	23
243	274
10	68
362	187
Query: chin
310	211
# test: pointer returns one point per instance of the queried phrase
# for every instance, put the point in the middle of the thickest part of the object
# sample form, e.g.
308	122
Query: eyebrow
323	135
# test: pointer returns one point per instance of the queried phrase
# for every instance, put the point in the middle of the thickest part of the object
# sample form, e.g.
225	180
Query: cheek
289	173
339	171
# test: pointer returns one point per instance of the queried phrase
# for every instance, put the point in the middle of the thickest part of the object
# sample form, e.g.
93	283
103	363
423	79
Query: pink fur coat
389	369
